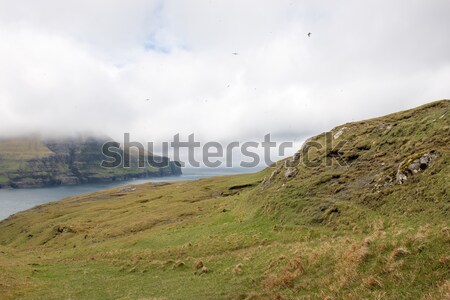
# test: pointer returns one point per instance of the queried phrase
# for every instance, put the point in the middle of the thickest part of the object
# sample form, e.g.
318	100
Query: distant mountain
34	161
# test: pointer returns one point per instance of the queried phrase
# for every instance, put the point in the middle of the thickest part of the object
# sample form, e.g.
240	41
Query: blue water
13	201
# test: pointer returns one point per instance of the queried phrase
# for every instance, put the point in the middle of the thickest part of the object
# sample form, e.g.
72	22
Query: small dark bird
228	86
147	99
235	53
309	34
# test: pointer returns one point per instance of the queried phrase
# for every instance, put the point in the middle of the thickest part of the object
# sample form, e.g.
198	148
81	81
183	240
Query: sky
223	70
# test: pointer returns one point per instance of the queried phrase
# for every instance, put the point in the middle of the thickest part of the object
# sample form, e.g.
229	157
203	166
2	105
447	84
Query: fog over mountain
224	70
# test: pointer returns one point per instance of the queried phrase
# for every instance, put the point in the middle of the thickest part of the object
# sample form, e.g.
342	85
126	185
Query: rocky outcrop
414	165
290	172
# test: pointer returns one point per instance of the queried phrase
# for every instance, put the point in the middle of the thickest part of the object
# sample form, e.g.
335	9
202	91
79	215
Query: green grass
18	149
328	233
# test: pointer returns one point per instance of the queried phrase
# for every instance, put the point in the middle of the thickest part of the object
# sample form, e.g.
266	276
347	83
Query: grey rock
410	166
290	172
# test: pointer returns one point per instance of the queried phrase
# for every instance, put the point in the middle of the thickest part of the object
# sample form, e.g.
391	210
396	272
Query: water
13	201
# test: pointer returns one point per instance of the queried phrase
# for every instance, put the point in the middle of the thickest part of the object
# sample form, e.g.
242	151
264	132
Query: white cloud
90	65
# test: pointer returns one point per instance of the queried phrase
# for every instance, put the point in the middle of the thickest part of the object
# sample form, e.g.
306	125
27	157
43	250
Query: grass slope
326	232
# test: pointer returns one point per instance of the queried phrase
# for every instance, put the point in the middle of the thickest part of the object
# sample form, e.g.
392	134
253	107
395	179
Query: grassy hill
32	161
372	223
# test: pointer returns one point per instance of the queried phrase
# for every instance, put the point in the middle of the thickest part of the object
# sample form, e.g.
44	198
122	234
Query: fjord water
15	200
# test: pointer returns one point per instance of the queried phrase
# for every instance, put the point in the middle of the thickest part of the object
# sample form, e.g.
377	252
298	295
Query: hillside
33	161
369	220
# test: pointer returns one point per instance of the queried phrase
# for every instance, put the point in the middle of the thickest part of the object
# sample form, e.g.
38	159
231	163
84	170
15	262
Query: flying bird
309	34
235	53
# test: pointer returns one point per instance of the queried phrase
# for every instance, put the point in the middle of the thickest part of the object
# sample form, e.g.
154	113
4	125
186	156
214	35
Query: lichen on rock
414	164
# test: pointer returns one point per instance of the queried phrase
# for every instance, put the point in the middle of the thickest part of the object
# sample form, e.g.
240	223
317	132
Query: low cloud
157	68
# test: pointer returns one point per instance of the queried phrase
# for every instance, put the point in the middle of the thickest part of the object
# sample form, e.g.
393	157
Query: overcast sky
76	66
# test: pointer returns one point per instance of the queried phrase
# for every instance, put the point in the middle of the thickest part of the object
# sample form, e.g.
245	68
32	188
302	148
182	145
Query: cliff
35	162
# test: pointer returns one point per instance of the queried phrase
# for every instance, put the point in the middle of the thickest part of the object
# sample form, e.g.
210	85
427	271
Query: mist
224	71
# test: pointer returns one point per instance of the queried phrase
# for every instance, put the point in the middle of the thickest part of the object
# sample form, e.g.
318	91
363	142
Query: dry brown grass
398	252
442	293
372	282
346	270
287	276
12	286
198	265
238	269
